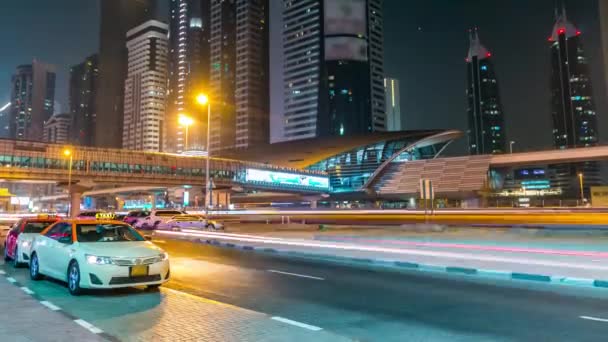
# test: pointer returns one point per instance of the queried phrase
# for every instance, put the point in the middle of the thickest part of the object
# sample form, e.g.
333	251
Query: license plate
139	271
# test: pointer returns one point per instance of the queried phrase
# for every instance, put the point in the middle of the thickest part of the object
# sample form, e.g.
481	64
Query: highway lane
364	305
383	306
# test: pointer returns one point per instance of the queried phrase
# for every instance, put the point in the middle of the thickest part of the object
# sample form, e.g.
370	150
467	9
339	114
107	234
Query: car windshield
106	232
186	218
139	214
36	227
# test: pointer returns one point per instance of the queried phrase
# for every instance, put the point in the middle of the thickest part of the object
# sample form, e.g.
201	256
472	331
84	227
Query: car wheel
74	279
35	267
152	287
16	263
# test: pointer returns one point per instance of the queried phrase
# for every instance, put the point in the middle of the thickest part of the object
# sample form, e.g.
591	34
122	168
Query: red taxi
31	225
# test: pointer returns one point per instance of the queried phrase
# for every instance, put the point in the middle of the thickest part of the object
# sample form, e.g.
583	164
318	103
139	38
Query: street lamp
185	121
202	100
68	153
580	180
511	146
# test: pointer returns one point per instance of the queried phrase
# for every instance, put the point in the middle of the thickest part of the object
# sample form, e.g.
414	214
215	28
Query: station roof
302	153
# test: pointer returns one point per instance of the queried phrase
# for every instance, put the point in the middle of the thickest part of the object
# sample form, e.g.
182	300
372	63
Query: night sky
425	46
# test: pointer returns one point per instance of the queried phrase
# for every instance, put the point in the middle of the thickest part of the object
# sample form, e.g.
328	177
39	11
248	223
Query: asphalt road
363	305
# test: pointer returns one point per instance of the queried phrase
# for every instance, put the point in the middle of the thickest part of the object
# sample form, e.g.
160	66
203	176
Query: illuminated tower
486	119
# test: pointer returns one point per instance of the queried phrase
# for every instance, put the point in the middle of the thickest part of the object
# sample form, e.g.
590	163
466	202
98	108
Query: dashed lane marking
50	305
297	324
90	327
589	318
26	290
11	279
296	275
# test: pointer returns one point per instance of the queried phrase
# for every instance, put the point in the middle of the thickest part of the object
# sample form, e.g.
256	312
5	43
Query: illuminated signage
284	178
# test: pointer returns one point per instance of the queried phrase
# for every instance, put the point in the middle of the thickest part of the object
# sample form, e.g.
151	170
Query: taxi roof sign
105	216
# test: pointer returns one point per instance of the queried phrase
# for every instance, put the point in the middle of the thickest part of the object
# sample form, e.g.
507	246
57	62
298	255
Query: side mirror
65	239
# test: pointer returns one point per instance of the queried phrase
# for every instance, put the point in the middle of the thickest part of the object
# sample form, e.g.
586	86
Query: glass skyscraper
486	131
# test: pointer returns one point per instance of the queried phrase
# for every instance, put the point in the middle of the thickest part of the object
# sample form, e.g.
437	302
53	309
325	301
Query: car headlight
98	260
25	244
164	256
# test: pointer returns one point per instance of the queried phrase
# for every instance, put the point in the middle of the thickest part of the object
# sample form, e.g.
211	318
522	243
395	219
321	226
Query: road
351	303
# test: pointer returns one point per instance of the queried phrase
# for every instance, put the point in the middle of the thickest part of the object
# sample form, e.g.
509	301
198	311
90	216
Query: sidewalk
572	261
26	319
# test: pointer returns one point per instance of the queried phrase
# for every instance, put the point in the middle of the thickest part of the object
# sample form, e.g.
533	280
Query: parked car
155	218
186	221
135	215
97	255
18	241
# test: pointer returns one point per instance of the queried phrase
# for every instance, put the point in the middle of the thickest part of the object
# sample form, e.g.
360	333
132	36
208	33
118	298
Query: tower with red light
572	105
486	131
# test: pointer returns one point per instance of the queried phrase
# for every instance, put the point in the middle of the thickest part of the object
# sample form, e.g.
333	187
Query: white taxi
97	255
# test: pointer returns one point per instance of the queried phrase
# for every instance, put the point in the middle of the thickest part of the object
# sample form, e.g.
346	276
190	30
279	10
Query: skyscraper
393	107
188	71
486	130
117	17
56	129
333	68
239	74
146	87
603	10
572	105
5	116
32	99
83	88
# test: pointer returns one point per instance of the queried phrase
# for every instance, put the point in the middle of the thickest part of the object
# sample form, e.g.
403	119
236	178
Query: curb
404	265
52	307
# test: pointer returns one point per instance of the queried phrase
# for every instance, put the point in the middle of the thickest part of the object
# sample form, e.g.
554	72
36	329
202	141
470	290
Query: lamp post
202	99
185	121
68	153
580	180
511	146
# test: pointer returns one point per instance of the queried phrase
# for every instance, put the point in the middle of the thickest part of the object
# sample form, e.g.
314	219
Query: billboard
284	178
345	17
345	48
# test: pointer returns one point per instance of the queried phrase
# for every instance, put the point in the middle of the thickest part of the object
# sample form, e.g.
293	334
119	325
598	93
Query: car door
11	238
52	248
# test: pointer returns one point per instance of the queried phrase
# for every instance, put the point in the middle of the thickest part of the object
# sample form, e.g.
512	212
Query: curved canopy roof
300	154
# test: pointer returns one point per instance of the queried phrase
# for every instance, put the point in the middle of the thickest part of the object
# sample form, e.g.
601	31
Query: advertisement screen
345	17
345	48
283	178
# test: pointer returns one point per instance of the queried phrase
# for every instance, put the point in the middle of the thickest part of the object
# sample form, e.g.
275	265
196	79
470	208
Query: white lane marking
296	323
11	279
297	275
50	305
352	247
589	318
2	272
90	327
26	290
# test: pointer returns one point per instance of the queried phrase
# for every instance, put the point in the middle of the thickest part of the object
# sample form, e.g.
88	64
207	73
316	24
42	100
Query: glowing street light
580	179
202	100
185	121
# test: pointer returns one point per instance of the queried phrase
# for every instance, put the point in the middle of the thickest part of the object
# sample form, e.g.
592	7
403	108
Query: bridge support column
75	198
218	199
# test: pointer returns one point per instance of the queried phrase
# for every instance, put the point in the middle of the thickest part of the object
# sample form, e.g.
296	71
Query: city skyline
424	32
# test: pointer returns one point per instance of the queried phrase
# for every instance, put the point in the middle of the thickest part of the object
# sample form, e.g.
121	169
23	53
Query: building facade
333	68
239	86
189	25
486	131
117	17
146	87
32	99
57	129
84	78
603	11
5	115
393	106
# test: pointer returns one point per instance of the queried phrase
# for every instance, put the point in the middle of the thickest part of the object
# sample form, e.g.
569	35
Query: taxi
20	237
100	254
